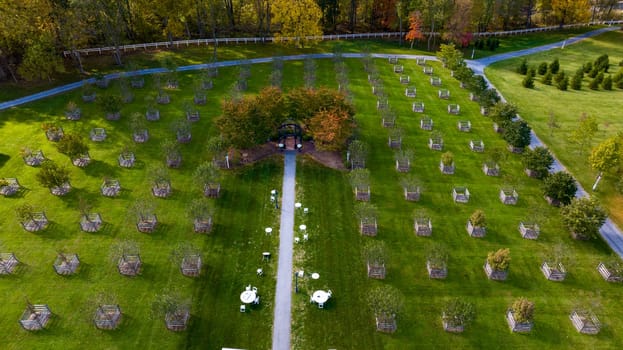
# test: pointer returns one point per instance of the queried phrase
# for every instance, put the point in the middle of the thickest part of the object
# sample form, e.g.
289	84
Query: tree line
33	32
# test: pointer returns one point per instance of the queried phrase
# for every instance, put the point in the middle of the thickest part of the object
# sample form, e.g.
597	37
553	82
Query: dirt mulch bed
329	159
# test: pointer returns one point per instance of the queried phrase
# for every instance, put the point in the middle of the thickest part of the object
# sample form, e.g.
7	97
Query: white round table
303	227
297	205
315	275
320	296
268	230
247	297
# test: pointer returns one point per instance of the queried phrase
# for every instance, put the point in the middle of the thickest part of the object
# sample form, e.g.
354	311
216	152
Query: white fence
251	40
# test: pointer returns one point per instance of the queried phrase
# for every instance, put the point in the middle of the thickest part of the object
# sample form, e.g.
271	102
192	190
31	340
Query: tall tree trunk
352	15
7	66
76	54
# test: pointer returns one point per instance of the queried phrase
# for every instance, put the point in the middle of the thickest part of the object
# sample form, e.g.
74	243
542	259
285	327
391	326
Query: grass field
233	251
536	104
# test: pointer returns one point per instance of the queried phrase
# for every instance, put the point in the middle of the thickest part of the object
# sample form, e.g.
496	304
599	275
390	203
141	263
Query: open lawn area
538	104
233	250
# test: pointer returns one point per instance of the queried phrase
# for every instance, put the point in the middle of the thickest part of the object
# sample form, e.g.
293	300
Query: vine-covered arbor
290	136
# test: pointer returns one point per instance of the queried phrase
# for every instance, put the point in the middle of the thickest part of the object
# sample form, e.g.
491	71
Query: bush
554	67
583	217
516	133
607	83
532	72
457	312
560	76
523	67
563	84
447	158
502	112
73	146
560	187
500	259
528	81
547	78
523	310
602	63
576	82
617	77
620	84
621	63
539	160
542	68
593	72
52	175
600	77
588	67
593	85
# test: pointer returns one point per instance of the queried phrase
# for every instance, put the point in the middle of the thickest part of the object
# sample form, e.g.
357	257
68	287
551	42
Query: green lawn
232	252
537	104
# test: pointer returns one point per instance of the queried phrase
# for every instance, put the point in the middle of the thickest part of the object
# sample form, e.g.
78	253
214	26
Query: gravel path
283	294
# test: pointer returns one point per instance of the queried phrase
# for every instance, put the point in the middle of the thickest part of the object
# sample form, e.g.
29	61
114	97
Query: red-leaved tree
415	27
331	128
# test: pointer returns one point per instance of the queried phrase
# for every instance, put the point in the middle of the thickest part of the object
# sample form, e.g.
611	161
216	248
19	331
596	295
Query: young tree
385	301
298	19
537	161
52	175
73	145
451	56
583	134
547	78
560	187
554	67
415	27
330	129
516	133
458	313
605	157
502	112
499	260
528	81
542	69
583	217
523	310
523	67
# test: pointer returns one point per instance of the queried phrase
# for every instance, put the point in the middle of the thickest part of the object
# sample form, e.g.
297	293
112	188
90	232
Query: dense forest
34	32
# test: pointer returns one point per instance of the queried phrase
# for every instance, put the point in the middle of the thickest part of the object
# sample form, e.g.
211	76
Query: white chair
243	308
255	289
311	299
247	288
321	305
266	255
330	293
257	300
306	237
296	240
260	272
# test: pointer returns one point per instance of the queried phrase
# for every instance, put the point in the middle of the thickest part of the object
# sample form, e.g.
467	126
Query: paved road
283	294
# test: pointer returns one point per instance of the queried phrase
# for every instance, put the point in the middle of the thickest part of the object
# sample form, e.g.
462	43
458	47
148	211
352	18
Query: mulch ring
330	159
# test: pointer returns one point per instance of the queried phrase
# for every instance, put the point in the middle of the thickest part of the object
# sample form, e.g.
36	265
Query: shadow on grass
100	169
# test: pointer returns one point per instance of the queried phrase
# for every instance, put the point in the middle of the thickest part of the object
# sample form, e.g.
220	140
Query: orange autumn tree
331	128
415	27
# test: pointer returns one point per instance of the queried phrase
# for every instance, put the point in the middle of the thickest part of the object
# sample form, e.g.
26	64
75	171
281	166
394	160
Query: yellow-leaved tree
297	20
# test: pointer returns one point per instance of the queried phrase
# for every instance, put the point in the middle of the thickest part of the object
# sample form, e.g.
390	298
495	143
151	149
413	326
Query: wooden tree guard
421	61
516	150
191	265
35	158
8	263
412	196
608	275
37	222
417	107
426	124
110	188
553	271
394	142
436	272
443	94
163	99
161	189
464	125
389	122
497	128
475	231
403	166
61	190
199	99
73	114
585	322
183	137
435	81
35	317
453	328
428	70
423	226
357	164
81	161
126	159
107	316
66	264
509	196
473	97
398	68
484	110
517	327
178	320
129	264
54	134
152	115
12	187
411	92
460	194
193	116
496	275
477	146
529	230
435	144
140	136
202	225
174	160
382	104
147	223
446	169
393	60
98	134
454	108
89	97
137	82
362	194
405	79
491	169
376	270
115	115
368	226
212	190
386	323
91	222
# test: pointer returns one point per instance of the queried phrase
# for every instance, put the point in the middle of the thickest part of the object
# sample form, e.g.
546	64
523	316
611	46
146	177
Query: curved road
282	313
